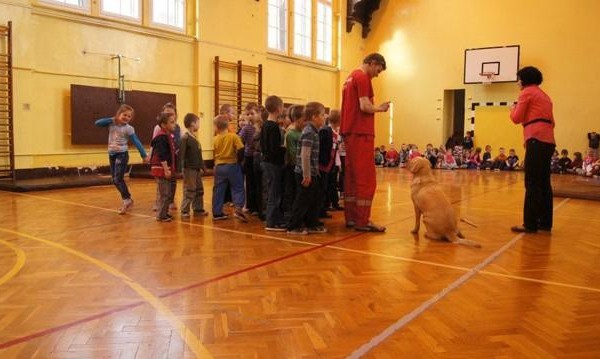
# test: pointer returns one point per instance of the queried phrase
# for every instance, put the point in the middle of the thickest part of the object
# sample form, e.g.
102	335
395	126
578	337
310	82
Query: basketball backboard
502	62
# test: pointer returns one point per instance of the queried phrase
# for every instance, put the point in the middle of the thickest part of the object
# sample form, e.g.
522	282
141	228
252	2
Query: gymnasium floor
79	281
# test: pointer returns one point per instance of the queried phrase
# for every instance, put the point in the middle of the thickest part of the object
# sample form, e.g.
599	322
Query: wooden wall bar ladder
7	154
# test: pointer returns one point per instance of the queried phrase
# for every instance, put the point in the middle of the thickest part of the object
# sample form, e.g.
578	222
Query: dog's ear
414	165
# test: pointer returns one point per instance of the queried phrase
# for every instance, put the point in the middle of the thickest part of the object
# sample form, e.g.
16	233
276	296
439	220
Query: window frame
167	26
287	26
61	5
289	50
135	20
92	11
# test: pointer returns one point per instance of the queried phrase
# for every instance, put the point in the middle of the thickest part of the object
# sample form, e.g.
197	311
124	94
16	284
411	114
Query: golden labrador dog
430	202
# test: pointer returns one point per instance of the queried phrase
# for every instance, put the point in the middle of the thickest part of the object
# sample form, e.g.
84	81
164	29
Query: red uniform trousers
360	178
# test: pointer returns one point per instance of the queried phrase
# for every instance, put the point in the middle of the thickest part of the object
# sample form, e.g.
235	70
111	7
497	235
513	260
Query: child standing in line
163	164
292	137
170	108
332	184
273	155
306	204
227	171
192	164
247	133
119	134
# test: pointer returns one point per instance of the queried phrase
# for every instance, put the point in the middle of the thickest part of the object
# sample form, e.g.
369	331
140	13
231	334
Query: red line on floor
58	328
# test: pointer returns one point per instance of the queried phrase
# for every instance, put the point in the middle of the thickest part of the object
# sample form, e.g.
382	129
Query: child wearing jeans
119	134
192	163
305	212
227	171
163	164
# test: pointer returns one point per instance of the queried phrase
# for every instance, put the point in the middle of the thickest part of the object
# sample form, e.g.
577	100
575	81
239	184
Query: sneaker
185	214
165	219
318	229
219	217
241	216
276	228
297	231
127	204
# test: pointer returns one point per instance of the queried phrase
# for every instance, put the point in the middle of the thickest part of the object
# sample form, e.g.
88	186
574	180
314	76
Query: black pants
306	210
248	169
538	206
289	191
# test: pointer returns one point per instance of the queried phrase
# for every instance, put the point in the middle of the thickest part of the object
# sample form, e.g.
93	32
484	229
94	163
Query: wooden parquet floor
79	281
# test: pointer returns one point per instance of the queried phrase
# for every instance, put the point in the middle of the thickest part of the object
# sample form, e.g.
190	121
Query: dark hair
312	109
334	117
163	118
189	119
264	115
375	57
273	103
295	112
564	152
530	76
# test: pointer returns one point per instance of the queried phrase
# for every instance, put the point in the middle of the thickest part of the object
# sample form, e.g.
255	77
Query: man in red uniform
358	129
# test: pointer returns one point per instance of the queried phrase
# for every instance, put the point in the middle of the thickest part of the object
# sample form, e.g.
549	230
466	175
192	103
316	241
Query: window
82	4
164	15
324	31
277	27
125	8
310	33
168	12
302	28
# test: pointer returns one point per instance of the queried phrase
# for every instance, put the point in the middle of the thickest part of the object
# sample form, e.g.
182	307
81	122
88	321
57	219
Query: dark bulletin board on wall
89	103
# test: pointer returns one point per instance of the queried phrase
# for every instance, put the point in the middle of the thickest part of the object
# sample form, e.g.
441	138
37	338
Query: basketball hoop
487	77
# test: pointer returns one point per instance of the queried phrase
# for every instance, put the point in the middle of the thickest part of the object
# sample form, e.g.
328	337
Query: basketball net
486	77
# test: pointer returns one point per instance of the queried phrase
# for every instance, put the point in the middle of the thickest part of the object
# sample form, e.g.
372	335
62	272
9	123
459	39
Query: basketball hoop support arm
121	76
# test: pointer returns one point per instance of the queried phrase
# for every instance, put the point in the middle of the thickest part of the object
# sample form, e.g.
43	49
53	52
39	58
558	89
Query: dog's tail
459	238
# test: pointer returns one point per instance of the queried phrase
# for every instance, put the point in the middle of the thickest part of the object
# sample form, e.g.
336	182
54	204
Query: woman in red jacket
533	111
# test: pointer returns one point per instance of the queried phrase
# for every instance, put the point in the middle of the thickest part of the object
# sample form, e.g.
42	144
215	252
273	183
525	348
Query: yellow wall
494	130
424	42
47	58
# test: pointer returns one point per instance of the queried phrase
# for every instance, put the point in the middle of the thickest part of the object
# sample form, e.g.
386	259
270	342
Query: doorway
454	113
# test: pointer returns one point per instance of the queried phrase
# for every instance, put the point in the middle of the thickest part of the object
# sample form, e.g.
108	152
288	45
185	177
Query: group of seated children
459	157
449	158
588	166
